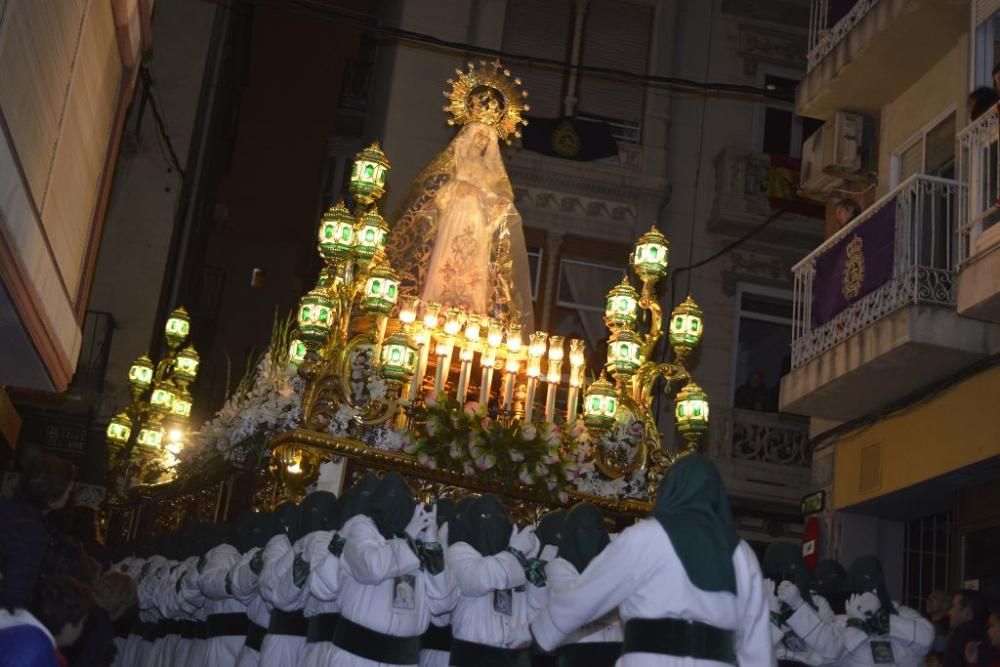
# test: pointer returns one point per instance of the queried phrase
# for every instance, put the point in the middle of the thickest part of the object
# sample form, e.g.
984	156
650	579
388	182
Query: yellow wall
952	430
942	86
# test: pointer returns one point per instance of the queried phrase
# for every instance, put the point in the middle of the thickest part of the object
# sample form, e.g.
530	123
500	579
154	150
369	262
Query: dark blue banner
859	264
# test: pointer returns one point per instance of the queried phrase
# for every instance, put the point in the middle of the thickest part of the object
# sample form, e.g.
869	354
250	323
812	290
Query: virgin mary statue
458	239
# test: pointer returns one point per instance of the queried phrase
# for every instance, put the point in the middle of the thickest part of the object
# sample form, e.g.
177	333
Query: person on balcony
753	394
981	100
846	210
689	590
878	631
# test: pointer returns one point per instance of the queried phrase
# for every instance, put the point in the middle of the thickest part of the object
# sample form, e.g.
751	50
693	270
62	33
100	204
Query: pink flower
454	450
528	432
468	469
572	471
563	497
485	423
578	430
525	477
432	426
410	446
516	456
470	409
430	399
550	459
486	462
425	460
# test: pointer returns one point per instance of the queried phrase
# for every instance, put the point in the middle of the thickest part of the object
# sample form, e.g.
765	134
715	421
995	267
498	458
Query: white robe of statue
640	574
221	651
243	582
910	635
368	567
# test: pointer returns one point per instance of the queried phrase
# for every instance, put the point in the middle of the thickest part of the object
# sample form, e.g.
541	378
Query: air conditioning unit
832	153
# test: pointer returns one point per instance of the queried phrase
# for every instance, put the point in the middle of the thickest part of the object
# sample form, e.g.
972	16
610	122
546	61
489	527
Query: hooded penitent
584	535
392	505
692	506
550	528
446	510
831	581
486	526
865	576
317	511
783	562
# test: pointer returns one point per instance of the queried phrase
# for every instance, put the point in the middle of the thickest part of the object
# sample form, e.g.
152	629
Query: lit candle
488	358
576	362
536	350
554	376
431	311
408	309
472	328
513	364
422	338
465	356
441	373
494	334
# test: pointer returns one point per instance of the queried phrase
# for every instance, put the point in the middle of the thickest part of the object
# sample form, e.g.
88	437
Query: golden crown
487	94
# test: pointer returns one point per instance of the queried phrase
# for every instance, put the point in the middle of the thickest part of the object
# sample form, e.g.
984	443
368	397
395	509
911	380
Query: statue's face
480	140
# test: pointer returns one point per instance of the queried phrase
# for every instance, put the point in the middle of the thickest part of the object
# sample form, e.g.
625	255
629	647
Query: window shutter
540	29
616	36
911	160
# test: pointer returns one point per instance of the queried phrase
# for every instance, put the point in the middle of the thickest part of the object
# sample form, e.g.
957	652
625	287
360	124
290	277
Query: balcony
874	313
743	181
762	456
979	235
853	46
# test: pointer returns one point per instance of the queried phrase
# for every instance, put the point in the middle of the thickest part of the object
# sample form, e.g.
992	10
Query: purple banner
860	263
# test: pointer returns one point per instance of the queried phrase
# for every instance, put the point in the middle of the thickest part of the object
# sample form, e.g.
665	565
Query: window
779	131
925	558
763	344
580	299
931	151
535	269
986	46
616	35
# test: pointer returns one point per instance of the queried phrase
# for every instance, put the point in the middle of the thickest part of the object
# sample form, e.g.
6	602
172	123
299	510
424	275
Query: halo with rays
486	92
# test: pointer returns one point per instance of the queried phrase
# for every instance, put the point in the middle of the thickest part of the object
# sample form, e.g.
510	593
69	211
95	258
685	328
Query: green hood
486	526
783	562
831	583
584	535
355	501
692	506
317	511
391	508
550	528
865	576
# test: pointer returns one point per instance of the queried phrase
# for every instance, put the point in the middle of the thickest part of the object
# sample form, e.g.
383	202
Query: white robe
323	584
368	569
192	600
221	651
641	574
480	580
810	636
243	583
561	576
148	610
432	657
910	635
171	607
278	589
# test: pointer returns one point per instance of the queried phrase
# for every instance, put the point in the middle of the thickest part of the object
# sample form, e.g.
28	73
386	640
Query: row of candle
457	329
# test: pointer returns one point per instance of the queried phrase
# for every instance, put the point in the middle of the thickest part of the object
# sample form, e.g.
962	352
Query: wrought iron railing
761	437
829	23
979	169
923	265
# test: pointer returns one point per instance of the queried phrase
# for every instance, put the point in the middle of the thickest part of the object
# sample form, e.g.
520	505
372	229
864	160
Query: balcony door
930	151
761	346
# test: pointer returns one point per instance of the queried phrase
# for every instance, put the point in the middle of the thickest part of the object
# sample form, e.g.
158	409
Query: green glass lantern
623	353
600	404
186	365
119	429
622	306
370	235
177	328
686	326
691	412
181	407
381	290
163	396
368	175
399	358
150	435
649	261
315	316
140	374
297	351
336	233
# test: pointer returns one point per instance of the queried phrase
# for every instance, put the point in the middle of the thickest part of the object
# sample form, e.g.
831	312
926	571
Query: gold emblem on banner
854	270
